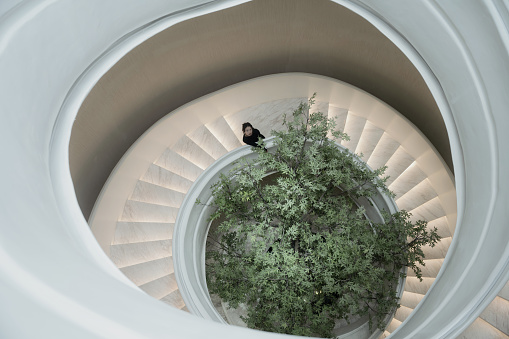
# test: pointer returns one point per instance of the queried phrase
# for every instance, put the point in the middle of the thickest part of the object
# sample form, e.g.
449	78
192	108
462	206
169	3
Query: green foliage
298	250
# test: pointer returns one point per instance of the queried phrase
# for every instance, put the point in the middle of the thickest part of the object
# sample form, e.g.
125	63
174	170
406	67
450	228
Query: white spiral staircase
56	281
141	246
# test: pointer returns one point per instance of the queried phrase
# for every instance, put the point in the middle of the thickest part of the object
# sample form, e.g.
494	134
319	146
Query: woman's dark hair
245	125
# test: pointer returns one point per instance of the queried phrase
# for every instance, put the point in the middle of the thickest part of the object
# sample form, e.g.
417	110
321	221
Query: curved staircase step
482	329
160	176
417	196
224	134
430	268
189	150
131	254
504	293
155	194
174	299
208	142
369	139
383	151
442	225
135	232
411	177
148	271
320	106
339	115
414	285
397	164
410	299
179	165
439	251
402	313
353	127
146	212
497	314
393	325
430	210
161	287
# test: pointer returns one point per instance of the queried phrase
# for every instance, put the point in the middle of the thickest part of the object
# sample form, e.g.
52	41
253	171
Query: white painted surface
7	5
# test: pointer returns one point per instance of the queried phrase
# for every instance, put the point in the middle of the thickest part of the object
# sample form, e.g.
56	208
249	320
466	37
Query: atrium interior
111	111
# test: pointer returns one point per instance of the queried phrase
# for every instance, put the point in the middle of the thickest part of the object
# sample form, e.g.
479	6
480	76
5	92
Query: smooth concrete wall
205	54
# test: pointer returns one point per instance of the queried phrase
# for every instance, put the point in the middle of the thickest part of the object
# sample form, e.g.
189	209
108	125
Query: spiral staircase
141	246
56	280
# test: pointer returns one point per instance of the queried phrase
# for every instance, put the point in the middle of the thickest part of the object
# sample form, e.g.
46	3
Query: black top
253	139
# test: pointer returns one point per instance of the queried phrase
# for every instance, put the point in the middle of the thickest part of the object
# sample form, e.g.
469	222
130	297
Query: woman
251	135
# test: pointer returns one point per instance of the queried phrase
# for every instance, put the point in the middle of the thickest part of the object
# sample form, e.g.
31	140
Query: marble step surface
208	142
224	134
354	126
135	232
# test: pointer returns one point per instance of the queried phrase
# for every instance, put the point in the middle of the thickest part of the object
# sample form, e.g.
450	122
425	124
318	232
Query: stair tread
411	177
393	325
148	271
160	176
160	287
189	150
411	299
369	139
208	142
430	270
265	117
179	165
497	314
402	313
383	151
414	285
224	134
135	232
155	194
339	115
148	212
174	299
417	196
439	251
442	225
397	164
131	254
482	329
353	127
430	210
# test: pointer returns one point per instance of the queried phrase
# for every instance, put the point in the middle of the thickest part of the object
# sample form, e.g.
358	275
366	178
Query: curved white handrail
190	236
191	229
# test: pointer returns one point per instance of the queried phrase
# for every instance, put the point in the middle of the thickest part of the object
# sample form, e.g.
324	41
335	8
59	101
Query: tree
295	248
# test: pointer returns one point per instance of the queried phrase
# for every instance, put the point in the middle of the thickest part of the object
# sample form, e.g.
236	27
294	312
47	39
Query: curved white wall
448	43
56	278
